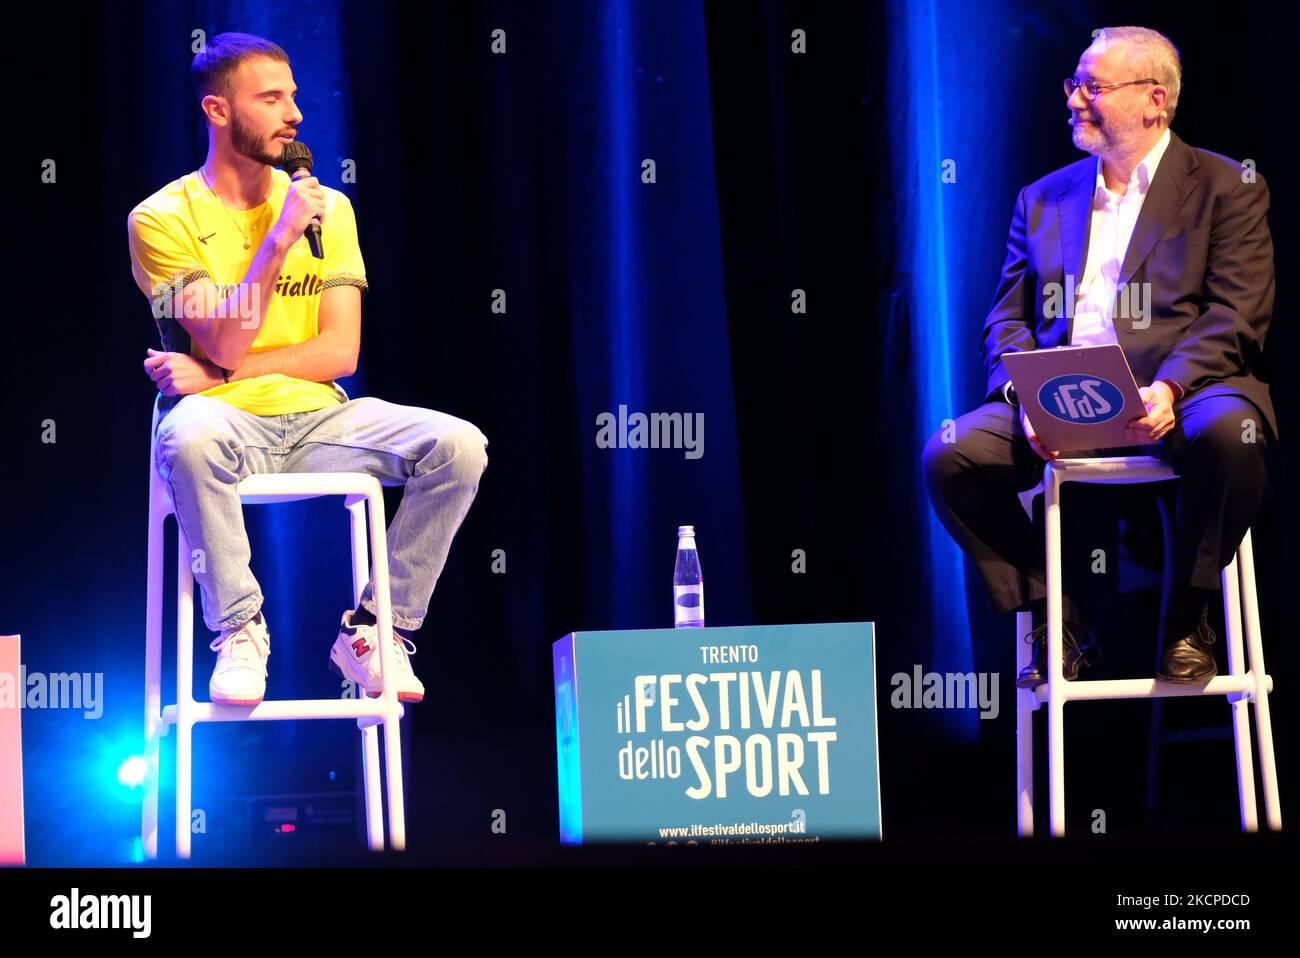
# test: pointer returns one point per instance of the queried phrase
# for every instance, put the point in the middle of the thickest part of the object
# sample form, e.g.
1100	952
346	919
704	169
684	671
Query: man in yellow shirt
255	330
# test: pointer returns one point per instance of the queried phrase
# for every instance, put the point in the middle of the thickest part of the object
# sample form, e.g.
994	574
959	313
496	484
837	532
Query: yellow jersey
184	232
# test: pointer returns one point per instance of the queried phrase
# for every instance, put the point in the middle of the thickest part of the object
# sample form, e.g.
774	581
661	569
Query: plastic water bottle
688	582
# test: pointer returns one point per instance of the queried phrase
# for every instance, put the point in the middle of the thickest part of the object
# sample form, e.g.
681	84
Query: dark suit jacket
1201	240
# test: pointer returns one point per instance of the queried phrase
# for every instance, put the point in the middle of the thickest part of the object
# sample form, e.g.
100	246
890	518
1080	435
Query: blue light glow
131	772
944	183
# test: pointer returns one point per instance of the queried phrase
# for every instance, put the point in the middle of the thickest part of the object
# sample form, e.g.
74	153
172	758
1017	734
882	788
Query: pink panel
12	848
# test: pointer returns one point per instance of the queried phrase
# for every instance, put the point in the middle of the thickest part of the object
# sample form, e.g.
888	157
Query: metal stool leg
356	506
184	691
153	725
1231	584
1025	705
1255	647
1055	676
373	792
392	718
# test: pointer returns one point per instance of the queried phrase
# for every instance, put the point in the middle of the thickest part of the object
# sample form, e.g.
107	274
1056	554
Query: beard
1115	135
246	143
1088	138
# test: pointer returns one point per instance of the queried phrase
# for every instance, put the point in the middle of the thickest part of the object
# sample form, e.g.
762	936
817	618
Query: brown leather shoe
1189	658
1076	645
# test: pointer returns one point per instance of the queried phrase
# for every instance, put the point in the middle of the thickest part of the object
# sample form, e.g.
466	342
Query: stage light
131	772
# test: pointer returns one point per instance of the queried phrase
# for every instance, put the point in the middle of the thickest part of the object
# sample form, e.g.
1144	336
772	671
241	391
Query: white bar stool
358	488
1245	682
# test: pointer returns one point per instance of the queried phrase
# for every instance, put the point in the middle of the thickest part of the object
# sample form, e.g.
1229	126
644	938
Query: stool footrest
1153	688
286	709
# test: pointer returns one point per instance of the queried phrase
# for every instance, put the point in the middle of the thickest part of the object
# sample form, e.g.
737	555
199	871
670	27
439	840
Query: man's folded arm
223	326
330	354
1007	327
1228	337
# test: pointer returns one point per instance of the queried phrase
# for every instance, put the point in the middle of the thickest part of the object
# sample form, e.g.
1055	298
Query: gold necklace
248	243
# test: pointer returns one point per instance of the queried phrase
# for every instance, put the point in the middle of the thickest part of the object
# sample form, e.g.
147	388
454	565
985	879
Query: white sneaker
354	657
240	674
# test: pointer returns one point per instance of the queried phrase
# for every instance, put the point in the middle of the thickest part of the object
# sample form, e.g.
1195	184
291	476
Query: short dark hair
214	66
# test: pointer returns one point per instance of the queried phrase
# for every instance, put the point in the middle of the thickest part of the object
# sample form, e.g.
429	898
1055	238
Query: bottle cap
685	531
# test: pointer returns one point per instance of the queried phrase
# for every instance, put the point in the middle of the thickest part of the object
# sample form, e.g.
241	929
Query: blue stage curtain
952	117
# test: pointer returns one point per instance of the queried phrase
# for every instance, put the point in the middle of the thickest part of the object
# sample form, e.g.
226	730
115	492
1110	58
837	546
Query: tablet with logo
1077	397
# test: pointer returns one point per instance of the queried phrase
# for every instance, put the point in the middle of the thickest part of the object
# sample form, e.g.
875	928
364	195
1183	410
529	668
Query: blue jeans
205	446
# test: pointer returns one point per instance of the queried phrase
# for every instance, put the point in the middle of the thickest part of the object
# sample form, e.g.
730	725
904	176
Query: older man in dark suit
1164	249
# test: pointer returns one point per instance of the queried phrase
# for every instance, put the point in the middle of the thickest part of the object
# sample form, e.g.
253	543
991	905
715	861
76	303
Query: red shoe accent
237	701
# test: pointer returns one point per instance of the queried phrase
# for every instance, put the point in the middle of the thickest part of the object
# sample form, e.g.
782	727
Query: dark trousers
973	481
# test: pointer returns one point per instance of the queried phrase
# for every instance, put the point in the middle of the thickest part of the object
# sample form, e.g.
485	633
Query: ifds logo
1075	397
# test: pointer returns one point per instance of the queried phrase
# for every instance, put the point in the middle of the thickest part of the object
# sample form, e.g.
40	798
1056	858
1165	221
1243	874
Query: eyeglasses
1092	89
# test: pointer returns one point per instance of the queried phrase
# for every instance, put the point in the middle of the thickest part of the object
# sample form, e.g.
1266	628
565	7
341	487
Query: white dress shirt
1113	217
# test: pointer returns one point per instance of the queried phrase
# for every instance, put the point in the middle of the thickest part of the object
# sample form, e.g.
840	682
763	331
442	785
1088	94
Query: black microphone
296	161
